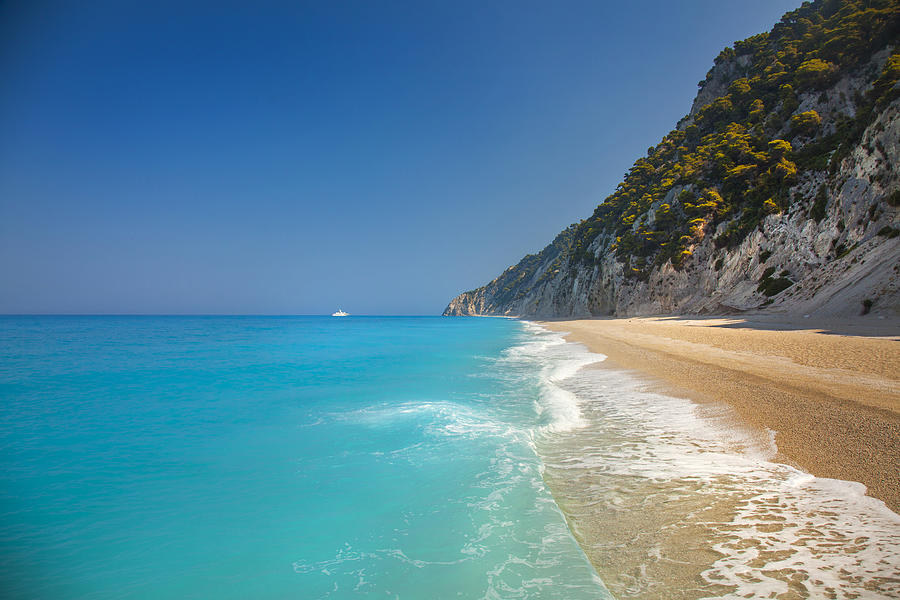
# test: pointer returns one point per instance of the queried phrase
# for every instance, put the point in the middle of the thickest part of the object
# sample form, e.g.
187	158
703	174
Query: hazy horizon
294	159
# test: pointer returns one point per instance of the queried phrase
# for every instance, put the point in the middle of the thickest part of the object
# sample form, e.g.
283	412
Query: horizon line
209	315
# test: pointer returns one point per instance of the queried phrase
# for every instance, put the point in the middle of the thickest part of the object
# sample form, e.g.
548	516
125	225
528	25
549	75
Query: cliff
779	191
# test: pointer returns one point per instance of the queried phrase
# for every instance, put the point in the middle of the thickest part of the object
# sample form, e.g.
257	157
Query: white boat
340	313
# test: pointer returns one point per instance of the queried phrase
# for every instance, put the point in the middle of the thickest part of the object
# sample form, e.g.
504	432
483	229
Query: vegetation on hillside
739	155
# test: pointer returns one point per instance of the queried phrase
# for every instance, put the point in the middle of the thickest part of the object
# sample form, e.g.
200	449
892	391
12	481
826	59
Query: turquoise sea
320	457
267	457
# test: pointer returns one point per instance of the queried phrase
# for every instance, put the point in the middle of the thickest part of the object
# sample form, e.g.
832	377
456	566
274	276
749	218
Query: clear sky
293	157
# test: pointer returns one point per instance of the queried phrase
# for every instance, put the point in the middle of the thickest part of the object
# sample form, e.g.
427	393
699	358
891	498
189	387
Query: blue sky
293	158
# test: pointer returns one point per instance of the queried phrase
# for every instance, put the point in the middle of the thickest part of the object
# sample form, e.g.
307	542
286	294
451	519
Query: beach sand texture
830	391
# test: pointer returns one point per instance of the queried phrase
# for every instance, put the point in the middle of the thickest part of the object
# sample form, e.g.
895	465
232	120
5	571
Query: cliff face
790	202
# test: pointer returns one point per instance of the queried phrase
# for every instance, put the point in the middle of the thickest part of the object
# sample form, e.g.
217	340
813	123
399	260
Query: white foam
548	357
824	535
791	532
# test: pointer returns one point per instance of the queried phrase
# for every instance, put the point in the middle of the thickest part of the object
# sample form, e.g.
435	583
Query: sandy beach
830	391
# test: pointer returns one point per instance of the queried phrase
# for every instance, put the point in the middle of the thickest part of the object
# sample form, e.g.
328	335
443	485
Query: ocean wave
546	357
518	536
435	417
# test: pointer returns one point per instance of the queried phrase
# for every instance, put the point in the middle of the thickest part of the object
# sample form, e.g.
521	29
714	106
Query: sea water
311	457
295	457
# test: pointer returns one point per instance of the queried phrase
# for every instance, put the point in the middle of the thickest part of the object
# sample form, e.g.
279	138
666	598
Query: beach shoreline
829	392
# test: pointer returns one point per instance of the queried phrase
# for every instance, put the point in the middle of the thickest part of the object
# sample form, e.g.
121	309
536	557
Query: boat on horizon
340	313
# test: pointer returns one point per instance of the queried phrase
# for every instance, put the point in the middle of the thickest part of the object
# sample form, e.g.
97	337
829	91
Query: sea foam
665	494
548	357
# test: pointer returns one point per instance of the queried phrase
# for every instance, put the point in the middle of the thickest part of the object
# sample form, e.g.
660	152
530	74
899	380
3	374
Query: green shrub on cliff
817	211
816	72
806	123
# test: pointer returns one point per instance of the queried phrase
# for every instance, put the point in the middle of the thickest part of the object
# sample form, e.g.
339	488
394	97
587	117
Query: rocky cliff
779	191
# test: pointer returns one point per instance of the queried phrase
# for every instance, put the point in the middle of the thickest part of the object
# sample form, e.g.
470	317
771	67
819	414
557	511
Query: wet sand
830	391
